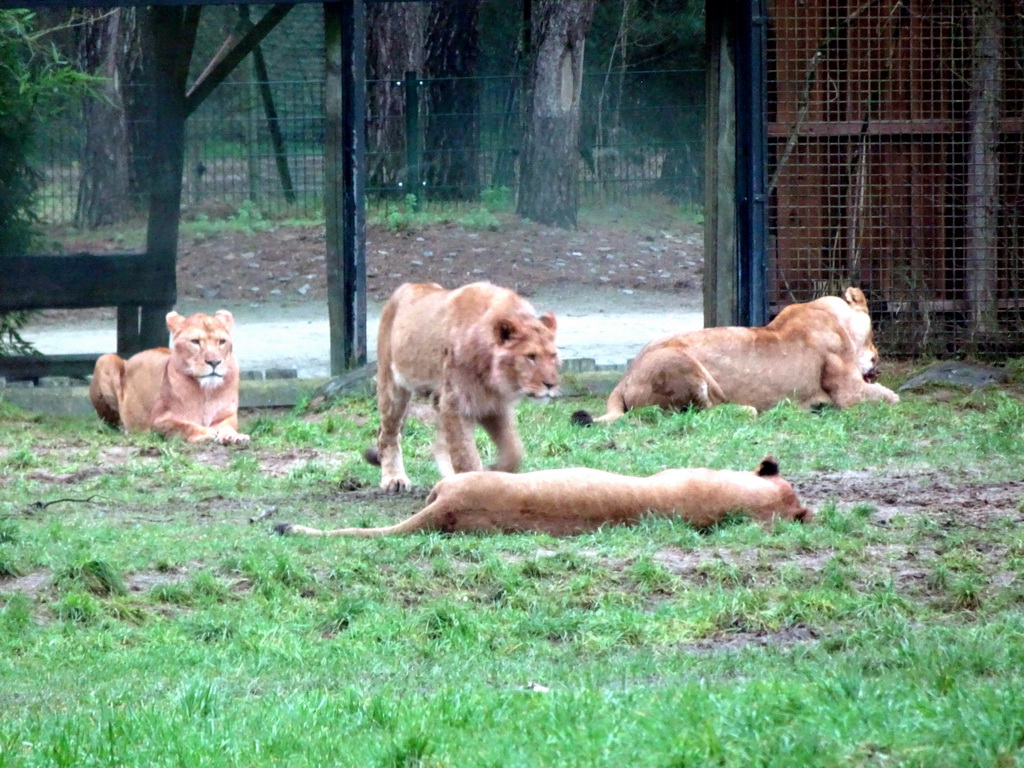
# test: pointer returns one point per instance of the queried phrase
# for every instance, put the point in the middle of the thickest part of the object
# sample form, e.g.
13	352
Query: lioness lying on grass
816	353
563	502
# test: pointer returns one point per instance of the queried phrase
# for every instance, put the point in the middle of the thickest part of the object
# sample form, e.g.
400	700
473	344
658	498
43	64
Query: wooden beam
82	280
25	367
229	59
344	103
171	3
168	31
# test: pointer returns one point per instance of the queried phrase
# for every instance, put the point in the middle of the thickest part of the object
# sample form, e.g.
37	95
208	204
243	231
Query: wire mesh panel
896	155
257	148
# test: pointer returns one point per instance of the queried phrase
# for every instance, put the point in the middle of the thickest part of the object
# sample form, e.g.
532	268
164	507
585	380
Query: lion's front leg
226	432
455	437
846	387
502	429
191	431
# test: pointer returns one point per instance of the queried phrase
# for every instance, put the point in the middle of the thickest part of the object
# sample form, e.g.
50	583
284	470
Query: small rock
282	373
957	374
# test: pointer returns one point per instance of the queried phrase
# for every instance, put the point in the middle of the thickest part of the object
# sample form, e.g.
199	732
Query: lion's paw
230	437
396	484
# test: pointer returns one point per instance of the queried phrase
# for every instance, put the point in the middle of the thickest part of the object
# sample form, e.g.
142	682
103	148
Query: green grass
155	625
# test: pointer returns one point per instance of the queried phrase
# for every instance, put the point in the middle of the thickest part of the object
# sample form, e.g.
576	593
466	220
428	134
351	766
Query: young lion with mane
474	352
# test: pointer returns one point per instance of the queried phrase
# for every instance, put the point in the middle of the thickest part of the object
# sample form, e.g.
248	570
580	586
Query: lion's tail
615	408
430	518
372	455
290	529
106	387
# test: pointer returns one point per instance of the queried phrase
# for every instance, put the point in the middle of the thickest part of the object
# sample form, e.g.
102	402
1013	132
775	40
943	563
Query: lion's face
526	359
201	346
859	328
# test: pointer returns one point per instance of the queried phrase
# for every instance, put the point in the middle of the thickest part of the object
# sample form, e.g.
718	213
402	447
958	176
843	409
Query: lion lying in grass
563	502
816	353
189	390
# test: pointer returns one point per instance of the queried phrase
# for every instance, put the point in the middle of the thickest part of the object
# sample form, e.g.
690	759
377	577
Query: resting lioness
563	502
189	390
814	353
474	351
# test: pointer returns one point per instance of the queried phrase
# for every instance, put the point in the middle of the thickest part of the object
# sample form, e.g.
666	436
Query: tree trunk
394	46
110	177
983	167
451	136
548	188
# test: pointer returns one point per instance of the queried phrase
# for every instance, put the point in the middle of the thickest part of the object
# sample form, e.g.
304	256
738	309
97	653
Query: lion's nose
550	384
213	363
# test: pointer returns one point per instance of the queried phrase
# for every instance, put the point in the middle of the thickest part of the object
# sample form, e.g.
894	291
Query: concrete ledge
579	377
594	383
74	400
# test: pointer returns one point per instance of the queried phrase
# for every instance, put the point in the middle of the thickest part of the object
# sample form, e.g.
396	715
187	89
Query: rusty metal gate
895	137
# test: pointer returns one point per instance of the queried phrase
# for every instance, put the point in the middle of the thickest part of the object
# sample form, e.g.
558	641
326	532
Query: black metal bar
354	167
345	100
412	138
259	65
751	158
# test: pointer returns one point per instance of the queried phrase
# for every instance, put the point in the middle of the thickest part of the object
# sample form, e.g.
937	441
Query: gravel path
607	325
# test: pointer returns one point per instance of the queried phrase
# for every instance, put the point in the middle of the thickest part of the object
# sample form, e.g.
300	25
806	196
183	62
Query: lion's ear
226	317
856	299
548	321
174	321
768	467
505	328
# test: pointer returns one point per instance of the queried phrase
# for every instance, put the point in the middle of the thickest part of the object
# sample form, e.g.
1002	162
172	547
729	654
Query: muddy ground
286	264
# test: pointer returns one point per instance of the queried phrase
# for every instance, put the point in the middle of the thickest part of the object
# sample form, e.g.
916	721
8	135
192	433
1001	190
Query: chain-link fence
896	162
262	144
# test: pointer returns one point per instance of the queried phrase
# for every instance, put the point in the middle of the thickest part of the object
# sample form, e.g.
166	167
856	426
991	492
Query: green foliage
412	214
33	80
95	576
11	341
247	220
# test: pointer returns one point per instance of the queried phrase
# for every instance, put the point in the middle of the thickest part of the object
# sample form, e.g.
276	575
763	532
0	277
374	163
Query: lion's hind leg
106	388
392	403
673	380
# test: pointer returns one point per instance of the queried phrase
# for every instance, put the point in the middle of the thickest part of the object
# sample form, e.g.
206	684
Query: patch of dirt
287	264
953	501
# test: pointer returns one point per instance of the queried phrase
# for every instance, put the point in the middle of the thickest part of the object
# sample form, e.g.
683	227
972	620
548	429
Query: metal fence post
412	139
